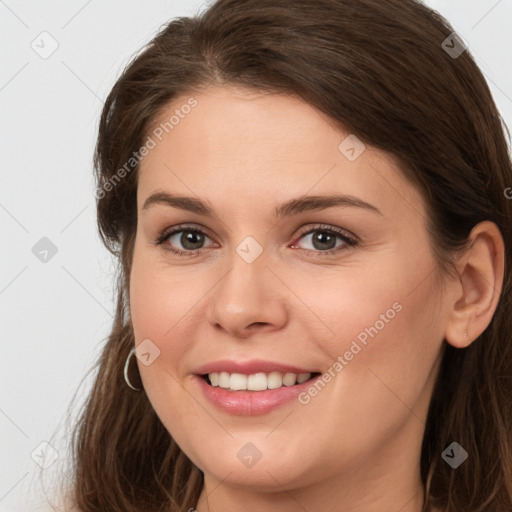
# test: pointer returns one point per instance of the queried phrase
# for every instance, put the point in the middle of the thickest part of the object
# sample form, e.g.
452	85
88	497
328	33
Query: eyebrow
290	207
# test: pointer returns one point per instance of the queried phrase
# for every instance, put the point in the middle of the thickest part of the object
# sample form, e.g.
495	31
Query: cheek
391	302
386	329
165	307
161	300
381	320
156	310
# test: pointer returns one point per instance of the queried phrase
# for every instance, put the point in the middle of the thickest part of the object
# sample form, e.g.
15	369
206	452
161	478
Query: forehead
244	146
250	119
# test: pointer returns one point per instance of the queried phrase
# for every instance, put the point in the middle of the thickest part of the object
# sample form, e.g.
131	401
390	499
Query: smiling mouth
256	381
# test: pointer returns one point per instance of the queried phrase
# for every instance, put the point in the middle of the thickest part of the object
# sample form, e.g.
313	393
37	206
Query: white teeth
238	381
289	379
256	381
224	379
274	380
303	377
214	377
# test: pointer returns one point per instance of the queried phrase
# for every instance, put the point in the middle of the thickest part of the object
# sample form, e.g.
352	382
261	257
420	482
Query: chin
259	464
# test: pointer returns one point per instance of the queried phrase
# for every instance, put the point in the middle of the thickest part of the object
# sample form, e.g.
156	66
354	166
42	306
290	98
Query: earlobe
481	270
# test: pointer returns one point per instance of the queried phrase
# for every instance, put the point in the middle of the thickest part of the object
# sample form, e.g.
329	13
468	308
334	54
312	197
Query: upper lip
249	367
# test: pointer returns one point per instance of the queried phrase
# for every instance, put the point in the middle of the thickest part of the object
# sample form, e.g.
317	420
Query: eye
324	238
191	238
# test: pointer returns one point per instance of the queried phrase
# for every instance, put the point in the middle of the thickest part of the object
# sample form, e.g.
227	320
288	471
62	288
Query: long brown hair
384	71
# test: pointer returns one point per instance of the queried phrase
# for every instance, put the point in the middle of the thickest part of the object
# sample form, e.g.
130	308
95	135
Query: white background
56	315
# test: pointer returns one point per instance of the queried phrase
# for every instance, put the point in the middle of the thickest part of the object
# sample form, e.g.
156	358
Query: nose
248	299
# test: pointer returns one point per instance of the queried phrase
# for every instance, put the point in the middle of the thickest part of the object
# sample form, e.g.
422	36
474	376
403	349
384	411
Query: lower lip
251	403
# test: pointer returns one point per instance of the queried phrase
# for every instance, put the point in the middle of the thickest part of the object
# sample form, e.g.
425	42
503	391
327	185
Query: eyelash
348	240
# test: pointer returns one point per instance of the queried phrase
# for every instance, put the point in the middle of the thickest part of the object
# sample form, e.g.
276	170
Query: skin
356	444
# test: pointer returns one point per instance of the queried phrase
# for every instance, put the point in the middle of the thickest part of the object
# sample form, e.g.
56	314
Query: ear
480	270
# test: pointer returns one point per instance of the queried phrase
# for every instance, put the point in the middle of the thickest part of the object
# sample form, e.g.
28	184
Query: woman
309	204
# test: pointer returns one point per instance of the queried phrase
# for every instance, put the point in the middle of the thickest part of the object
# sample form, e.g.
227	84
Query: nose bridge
246	284
247	293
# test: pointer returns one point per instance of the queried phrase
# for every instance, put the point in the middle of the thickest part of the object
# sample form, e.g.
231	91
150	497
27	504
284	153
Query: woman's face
259	295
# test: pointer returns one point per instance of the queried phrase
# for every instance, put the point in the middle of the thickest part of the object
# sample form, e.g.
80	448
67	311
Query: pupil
321	238
188	238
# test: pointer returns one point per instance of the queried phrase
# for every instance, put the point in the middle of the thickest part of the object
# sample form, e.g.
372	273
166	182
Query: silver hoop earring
126	364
